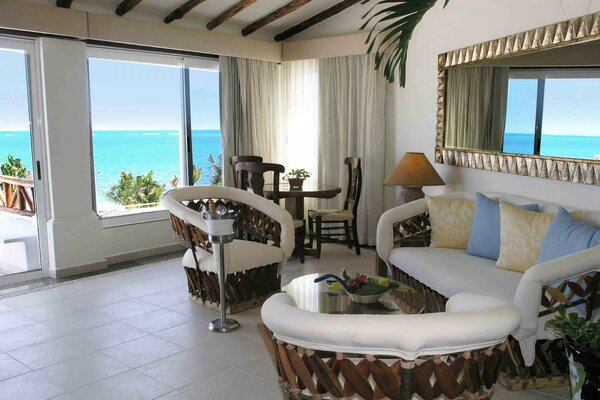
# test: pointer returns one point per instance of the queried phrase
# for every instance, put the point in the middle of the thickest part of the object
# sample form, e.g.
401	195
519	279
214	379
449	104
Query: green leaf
390	42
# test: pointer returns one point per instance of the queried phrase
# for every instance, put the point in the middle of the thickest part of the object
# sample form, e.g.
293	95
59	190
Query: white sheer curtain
300	118
352	122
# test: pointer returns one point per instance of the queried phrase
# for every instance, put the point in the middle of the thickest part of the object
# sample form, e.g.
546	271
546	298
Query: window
145	110
553	112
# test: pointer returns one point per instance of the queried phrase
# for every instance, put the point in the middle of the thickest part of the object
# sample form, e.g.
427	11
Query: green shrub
14	167
216	170
136	190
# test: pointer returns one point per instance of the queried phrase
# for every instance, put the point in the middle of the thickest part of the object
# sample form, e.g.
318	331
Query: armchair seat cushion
241	254
452	271
332	215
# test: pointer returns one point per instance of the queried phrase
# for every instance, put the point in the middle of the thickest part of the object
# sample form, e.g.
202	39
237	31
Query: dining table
294	198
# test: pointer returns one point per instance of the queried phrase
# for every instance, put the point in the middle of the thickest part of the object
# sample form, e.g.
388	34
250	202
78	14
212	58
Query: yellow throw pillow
451	221
521	235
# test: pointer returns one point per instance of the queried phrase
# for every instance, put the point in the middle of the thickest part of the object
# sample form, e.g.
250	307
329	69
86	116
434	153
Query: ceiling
346	22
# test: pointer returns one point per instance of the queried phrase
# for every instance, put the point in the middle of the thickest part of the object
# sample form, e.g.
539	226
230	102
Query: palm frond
390	42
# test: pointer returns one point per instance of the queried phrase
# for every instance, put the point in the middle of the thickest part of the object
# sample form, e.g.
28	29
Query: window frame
184	63
541	74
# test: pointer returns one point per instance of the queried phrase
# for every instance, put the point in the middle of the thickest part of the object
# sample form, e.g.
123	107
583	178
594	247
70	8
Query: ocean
554	145
134	151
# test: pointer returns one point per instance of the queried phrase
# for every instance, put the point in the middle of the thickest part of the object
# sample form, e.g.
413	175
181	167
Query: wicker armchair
390	356
253	262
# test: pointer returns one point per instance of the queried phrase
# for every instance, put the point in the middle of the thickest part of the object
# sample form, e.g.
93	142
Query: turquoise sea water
134	151
554	145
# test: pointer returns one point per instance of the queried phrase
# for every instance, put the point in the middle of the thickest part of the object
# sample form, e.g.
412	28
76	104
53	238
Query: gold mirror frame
563	33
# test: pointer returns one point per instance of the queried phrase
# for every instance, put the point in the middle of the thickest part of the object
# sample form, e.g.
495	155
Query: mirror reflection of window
553	112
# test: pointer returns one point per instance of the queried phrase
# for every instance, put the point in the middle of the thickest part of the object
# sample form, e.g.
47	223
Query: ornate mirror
526	104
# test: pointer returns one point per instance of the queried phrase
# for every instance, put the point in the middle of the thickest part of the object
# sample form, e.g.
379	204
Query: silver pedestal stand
223	324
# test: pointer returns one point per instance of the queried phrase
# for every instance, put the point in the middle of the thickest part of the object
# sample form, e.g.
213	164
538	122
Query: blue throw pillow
567	235
485	233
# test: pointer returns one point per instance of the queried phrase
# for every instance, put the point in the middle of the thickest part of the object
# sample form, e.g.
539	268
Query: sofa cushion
567	235
240	255
451	221
485	233
521	235
451	271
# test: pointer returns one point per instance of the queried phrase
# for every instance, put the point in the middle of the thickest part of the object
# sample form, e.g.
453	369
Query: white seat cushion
452	271
240	255
332	215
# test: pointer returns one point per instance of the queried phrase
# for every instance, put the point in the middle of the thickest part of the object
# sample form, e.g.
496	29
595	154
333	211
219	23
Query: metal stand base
228	325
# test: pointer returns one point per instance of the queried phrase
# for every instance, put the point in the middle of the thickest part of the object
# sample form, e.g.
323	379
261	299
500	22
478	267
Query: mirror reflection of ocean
571	146
134	151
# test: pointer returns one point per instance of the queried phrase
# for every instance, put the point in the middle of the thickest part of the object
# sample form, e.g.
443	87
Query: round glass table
318	297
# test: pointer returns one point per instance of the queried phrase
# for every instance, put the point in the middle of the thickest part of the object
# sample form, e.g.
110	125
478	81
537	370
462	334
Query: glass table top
318	297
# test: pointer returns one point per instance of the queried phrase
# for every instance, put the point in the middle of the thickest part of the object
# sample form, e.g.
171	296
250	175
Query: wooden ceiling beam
182	10
275	15
126	6
230	12
64	3
315	19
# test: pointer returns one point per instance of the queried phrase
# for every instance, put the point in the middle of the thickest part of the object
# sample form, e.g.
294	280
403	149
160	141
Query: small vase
584	368
295	183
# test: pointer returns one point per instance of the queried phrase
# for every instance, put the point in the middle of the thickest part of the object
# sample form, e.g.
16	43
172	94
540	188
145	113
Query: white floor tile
109	335
175	395
4	308
30	386
142	351
31	299
13	319
9	367
82	370
126	309
196	311
261	367
188	335
231	349
227	385
55	309
51	352
158	320
276	395
182	369
168	298
130	385
99	298
78	321
65	396
15	338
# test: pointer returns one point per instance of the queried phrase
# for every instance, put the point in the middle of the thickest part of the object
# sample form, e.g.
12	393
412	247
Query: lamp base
408	194
223	326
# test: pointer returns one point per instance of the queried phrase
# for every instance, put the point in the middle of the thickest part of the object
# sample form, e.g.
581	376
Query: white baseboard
138	254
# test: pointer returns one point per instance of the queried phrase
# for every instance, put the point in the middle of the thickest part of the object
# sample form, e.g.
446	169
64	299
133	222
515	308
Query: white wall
411	111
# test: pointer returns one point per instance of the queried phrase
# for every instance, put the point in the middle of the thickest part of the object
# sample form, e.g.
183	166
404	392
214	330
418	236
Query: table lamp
412	173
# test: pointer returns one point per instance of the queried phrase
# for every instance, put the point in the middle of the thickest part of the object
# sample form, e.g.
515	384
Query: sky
571	107
123	95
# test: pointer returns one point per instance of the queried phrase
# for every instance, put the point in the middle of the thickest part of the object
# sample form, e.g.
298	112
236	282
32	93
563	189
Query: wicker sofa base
308	374
244	290
550	368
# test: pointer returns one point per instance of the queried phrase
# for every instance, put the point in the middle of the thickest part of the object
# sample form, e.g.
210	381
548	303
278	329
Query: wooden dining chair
325	226
245	158
251	176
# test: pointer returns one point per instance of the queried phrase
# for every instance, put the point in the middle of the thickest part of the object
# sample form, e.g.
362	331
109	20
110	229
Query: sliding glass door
21	192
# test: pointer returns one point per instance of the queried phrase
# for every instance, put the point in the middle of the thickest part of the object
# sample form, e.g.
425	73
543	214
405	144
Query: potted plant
296	178
582	343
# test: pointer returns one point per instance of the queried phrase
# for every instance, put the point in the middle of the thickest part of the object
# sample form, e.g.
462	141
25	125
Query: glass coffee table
318	297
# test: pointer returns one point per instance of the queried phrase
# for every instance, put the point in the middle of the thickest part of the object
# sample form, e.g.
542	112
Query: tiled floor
133	334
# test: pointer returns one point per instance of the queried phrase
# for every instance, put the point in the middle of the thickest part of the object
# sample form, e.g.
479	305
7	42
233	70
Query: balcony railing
16	195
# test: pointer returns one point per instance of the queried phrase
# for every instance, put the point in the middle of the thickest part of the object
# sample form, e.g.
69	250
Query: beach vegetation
139	190
196	176
216	169
14	167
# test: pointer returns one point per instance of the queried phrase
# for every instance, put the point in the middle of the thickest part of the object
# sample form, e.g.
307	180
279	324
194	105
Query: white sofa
451	271
434	354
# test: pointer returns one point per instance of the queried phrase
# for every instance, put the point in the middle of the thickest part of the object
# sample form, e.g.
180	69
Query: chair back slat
237	159
256	177
354	185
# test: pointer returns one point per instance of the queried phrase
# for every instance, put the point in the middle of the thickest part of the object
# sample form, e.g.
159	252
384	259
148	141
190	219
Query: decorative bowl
365	299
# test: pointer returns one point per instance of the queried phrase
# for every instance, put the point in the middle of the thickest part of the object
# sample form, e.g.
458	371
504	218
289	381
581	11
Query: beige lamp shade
414	170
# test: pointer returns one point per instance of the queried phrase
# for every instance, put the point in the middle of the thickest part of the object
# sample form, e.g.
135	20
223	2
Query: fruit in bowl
361	288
